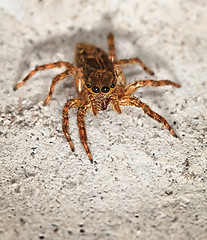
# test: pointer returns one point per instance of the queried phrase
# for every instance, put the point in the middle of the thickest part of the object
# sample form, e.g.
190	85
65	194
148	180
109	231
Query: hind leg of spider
126	62
82	129
112	56
58	78
132	87
72	103
129	101
41	68
111	47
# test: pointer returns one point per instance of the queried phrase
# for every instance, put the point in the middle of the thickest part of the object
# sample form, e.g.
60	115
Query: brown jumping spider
99	81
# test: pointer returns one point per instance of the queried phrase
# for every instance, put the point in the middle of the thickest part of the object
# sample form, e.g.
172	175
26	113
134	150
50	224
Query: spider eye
95	89
105	89
88	85
112	85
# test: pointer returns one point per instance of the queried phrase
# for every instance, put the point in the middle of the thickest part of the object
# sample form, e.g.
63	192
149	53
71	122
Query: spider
99	82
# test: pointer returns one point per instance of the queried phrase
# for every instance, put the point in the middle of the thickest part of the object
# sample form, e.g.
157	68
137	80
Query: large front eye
105	89
95	89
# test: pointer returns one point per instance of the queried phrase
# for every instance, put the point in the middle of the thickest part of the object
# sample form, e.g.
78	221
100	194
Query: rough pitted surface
144	183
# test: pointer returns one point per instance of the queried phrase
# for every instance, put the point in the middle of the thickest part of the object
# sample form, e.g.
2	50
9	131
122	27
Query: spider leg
58	78
121	81
82	129
111	47
43	67
125	62
132	87
65	124
93	104
117	68
129	101
80	84
115	103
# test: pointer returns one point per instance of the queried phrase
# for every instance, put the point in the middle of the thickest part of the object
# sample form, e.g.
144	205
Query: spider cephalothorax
101	86
99	82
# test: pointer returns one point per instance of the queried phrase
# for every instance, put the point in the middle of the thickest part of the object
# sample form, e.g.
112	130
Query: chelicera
99	82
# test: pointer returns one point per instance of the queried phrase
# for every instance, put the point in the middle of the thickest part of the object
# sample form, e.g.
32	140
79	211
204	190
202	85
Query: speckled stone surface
144	183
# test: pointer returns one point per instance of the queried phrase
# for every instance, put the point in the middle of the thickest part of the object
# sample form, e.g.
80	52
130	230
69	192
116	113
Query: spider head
101	82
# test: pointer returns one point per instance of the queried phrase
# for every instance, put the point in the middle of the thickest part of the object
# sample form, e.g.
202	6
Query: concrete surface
144	183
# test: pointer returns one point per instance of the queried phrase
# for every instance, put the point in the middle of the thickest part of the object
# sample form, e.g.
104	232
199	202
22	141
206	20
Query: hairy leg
126	62
80	83
93	104
111	47
129	101
72	103
58	78
112	56
121	81
82	129
115	103
132	87
43	67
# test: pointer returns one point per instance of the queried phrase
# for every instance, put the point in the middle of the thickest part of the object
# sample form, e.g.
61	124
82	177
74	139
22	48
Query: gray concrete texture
144	183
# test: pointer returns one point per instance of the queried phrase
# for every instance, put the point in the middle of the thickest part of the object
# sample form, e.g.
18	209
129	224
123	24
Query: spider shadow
61	48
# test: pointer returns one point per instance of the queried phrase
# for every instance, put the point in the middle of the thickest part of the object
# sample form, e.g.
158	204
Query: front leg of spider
82	129
72	103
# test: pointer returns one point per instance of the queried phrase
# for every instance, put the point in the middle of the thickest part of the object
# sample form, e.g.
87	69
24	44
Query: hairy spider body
99	82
